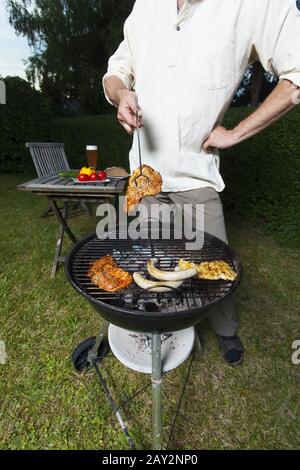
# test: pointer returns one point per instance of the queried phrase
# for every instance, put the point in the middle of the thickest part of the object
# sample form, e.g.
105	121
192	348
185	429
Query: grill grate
132	256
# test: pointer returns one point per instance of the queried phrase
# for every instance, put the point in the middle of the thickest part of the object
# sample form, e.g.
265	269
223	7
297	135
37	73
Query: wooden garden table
57	188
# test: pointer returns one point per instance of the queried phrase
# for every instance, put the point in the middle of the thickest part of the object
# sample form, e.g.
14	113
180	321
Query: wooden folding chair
48	158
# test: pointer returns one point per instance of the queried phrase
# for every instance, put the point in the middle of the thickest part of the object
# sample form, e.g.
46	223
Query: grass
44	404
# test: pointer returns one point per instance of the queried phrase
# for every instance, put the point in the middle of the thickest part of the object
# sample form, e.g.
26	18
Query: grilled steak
106	274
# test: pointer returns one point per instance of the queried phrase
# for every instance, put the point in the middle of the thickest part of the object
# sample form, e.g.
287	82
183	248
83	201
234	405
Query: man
180	65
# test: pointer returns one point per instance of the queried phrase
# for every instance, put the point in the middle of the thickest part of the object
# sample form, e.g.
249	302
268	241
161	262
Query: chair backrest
48	158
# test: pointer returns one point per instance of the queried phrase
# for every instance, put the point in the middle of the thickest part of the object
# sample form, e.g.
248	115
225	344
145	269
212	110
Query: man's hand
125	101
128	107
220	138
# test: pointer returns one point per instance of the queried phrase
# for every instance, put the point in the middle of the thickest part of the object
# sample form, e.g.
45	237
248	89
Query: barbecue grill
146	311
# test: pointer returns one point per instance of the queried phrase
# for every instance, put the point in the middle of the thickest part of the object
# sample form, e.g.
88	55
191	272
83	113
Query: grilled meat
141	187
106	274
211	270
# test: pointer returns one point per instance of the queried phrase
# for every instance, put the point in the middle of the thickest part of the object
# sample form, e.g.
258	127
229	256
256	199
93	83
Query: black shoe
232	349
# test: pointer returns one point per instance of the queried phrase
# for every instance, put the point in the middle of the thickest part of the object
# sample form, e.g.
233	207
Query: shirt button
178	28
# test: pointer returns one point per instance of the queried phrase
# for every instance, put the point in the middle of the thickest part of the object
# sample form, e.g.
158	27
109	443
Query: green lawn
46	405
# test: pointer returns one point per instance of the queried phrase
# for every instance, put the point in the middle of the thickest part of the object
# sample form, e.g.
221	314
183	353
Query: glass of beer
92	155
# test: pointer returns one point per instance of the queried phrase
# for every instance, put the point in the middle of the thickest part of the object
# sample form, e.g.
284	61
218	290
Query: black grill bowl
137	310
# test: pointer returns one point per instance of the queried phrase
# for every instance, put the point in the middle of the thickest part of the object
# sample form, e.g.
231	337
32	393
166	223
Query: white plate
117	178
134	349
90	182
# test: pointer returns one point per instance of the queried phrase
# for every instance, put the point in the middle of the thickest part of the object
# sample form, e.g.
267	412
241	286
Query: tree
71	42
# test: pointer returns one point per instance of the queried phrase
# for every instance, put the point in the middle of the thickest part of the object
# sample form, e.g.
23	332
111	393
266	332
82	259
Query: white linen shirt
186	68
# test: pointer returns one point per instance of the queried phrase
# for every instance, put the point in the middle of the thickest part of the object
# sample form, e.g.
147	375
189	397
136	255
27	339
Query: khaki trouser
222	319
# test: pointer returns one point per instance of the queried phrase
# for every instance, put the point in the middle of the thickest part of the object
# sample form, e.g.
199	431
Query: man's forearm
279	102
114	87
126	101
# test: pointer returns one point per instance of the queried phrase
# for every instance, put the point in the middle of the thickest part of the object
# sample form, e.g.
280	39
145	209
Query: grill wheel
80	355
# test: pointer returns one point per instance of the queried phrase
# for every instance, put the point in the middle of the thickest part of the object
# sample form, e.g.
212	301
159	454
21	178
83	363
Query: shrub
262	176
25	117
113	143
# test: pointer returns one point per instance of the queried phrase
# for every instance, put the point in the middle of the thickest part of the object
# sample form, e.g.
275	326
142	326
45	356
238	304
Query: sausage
155	286
170	275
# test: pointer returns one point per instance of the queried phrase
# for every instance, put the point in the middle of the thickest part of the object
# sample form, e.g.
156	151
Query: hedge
25	117
261	174
104	131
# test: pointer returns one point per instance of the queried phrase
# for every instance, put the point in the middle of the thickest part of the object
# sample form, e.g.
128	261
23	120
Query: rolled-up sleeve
277	38
121	63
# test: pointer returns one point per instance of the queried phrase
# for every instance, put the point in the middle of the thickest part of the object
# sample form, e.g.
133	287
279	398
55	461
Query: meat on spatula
139	187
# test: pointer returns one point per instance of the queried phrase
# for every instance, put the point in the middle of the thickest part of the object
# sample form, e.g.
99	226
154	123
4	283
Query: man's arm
279	102
120	77
276	42
114	87
125	101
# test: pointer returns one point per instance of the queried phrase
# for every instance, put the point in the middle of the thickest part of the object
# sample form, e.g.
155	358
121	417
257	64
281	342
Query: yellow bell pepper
87	171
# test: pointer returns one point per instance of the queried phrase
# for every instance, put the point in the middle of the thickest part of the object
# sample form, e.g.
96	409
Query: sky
13	49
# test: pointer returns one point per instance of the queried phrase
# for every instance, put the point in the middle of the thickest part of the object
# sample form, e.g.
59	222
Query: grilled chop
106	274
141	187
211	270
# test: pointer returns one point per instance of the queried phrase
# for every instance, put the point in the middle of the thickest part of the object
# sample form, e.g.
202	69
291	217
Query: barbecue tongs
141	175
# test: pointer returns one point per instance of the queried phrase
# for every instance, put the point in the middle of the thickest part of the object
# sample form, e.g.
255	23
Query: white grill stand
156	382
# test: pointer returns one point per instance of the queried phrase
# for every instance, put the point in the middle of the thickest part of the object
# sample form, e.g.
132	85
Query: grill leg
92	360
156	393
114	406
94	352
198	345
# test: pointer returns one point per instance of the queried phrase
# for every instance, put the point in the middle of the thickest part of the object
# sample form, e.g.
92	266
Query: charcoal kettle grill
146	311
